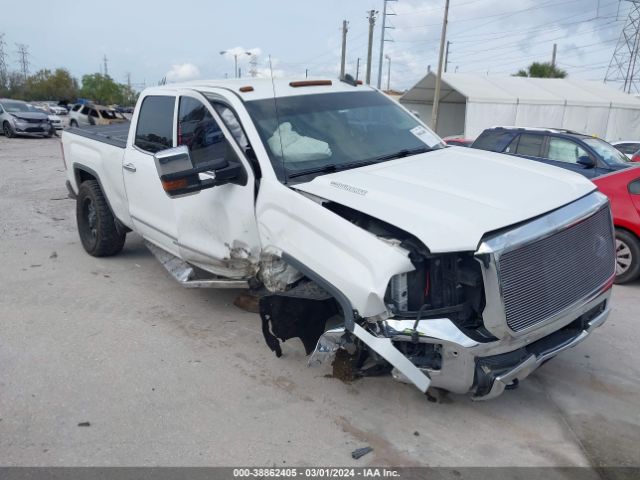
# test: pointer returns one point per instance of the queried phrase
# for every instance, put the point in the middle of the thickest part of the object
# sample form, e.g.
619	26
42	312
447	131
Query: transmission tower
624	67
253	63
23	58
3	62
106	70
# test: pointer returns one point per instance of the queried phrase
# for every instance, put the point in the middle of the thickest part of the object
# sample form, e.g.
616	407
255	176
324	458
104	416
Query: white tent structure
469	103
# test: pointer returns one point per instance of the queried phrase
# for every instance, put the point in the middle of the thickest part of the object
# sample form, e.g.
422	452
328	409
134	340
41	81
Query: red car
623	190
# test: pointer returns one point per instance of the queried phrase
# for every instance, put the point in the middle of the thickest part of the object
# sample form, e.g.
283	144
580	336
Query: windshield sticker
425	136
348	188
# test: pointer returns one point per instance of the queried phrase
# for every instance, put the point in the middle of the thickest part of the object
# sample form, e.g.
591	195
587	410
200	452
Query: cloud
182	72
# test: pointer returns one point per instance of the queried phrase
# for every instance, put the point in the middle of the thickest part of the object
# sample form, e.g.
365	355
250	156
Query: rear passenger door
152	211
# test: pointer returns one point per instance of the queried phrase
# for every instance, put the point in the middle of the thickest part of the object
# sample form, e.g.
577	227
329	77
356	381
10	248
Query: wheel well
83	176
635	235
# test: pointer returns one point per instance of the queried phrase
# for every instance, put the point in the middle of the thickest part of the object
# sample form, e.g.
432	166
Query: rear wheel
8	130
97	227
627	256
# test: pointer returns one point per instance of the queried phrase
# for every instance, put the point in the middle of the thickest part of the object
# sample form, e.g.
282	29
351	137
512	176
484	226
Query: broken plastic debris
360	452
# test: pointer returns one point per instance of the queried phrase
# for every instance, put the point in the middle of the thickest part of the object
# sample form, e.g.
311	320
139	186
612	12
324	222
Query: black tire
627	256
73	123
97	227
7	129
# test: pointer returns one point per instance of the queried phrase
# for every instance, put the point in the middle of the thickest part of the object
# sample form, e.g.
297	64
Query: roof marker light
310	83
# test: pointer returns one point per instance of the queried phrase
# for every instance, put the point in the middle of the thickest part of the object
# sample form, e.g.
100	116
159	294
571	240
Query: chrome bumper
528	366
463	358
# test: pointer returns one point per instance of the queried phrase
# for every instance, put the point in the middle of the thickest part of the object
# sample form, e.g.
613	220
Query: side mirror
180	177
586	161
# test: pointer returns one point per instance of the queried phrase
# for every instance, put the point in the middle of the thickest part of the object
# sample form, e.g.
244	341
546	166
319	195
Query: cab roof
263	88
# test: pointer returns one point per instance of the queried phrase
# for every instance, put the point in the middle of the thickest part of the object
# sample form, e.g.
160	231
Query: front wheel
73	123
627	256
97	227
8	130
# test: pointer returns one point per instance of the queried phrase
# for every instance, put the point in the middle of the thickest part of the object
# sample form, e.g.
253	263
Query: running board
187	276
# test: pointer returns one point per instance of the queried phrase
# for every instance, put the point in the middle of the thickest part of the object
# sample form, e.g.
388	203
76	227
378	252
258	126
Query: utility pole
446	56
372	22
436	95
106	70
357	68
388	73
306	73
344	47
382	39
23	59
623	67
553	55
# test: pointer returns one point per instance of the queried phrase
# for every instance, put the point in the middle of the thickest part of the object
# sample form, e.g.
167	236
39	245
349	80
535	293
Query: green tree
542	70
48	85
128	96
100	88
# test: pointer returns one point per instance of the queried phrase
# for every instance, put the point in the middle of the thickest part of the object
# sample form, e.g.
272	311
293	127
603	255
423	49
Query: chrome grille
547	275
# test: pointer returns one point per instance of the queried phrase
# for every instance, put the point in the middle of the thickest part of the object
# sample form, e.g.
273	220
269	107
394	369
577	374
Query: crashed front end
466	322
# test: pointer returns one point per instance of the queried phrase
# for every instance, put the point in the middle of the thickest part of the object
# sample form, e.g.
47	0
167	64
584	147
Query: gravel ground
170	376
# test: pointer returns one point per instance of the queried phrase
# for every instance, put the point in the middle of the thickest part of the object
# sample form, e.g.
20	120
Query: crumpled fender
351	259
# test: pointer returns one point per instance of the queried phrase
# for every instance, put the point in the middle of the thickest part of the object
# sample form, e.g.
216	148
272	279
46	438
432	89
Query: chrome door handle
129	166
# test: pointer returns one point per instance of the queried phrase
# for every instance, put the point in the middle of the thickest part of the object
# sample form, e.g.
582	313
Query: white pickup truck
357	228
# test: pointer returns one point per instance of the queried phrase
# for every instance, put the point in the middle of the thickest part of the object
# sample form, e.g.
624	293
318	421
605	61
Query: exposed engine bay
441	285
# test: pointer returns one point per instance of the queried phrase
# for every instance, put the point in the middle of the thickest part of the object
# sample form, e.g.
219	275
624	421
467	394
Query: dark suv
580	153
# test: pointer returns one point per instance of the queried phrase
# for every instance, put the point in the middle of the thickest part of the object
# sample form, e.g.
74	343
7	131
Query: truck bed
115	135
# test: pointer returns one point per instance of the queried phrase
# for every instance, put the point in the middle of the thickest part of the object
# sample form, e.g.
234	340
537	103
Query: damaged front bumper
466	365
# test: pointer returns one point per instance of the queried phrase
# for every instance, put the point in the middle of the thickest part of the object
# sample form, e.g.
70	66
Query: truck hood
450	198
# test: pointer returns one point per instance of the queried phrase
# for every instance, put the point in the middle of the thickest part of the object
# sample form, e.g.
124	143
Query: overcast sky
182	39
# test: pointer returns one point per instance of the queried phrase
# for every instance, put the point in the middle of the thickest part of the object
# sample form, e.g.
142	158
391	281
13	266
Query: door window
198	130
85	111
628	148
562	150
94	113
155	124
530	145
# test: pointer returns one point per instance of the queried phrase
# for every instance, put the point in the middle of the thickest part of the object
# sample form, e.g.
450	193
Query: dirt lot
169	376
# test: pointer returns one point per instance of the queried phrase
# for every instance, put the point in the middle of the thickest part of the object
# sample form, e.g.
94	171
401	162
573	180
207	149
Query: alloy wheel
624	258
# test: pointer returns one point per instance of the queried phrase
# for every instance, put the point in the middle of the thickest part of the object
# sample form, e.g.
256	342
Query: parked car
54	119
573	151
83	115
445	267
635	158
55	108
458	141
628	147
623	190
20	118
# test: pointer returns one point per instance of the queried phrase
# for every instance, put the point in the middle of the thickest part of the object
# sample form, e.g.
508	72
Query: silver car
20	118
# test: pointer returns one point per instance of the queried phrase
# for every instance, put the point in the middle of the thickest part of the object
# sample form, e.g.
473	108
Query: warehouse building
469	103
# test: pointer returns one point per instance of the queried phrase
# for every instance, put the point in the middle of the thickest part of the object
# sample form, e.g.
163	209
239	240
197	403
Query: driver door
216	228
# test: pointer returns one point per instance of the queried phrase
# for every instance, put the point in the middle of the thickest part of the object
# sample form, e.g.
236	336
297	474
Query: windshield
608	152
327	132
14	107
